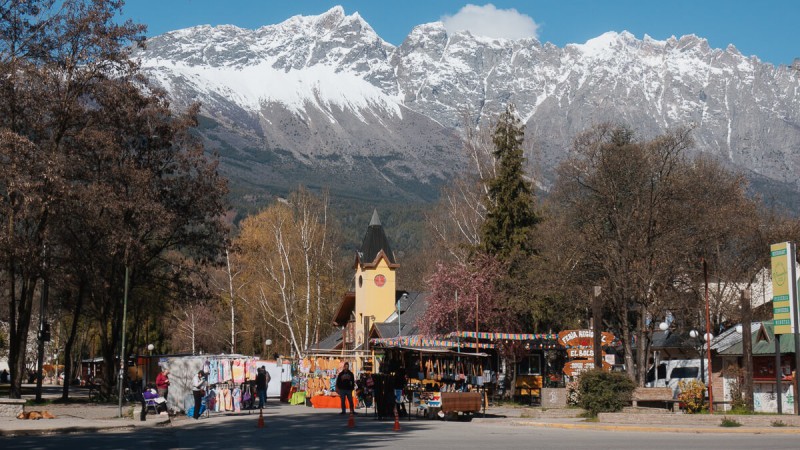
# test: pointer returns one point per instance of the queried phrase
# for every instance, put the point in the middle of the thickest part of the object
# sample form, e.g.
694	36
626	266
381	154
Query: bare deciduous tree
286	254
639	215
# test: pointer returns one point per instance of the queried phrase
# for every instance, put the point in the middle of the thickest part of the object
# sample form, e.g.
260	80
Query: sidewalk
91	417
81	416
78	418
643	421
576	424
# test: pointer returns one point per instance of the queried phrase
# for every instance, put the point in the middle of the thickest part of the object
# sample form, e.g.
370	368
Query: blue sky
767	29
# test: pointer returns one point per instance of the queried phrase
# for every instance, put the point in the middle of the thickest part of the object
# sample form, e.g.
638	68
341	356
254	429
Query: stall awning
423	342
503	336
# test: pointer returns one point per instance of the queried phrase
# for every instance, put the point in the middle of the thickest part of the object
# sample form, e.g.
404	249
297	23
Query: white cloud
492	22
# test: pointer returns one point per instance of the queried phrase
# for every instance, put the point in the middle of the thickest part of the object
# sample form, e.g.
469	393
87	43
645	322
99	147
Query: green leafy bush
604	391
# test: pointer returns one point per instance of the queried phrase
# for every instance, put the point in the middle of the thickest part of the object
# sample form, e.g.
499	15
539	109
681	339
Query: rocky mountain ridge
325	101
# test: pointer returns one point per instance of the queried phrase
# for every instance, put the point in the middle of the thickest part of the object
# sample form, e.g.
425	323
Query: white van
673	371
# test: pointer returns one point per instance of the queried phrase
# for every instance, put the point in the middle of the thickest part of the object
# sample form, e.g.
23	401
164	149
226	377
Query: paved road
299	427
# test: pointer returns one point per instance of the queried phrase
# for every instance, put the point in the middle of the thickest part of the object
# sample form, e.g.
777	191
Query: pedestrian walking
262	381
345	383
198	391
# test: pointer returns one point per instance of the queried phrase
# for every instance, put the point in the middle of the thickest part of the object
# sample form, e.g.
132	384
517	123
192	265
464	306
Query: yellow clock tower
375	282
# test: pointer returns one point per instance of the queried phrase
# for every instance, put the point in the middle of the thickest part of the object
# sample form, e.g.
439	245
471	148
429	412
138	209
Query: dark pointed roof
374	241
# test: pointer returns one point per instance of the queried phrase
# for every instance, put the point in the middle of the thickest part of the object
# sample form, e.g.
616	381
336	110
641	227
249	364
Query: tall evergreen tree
510	203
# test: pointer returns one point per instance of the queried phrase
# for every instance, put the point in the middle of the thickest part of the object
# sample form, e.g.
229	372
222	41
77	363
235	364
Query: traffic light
46	332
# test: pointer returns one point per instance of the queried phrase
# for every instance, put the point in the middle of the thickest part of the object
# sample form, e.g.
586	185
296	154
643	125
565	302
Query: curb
76	429
62	430
660	429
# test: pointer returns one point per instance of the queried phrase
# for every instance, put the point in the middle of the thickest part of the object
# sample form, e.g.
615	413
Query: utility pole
122	359
708	343
795	319
44	335
597	316
747	349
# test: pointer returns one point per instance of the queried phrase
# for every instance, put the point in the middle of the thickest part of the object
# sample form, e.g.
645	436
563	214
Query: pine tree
510	202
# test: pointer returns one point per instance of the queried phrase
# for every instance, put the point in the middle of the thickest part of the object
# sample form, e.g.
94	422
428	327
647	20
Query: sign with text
580	353
783	289
578	366
583	338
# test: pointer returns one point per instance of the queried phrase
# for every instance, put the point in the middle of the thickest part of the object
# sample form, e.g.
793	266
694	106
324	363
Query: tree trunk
513	387
641	348
21	310
73	332
232	294
627	347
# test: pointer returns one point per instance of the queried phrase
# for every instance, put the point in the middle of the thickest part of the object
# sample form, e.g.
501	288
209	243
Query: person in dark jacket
262	380
345	383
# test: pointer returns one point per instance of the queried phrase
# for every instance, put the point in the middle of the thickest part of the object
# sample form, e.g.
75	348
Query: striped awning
420	341
504	336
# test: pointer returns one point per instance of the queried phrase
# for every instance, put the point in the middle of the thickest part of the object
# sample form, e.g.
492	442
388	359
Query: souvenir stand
431	378
314	383
531	364
469	362
230	378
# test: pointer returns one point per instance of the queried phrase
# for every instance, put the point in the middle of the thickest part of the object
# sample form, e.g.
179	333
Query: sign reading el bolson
783	292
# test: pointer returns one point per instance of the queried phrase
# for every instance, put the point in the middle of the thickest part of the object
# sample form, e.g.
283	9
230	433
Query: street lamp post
694	334
708	341
122	347
267	344
150	348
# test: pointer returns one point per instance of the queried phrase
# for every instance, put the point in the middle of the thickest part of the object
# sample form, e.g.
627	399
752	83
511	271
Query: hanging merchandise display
314	383
230	386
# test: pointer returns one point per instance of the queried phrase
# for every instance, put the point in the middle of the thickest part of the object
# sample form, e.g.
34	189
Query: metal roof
763	339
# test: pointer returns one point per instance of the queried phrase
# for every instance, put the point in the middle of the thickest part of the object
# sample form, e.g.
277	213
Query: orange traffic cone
351	422
396	420
261	418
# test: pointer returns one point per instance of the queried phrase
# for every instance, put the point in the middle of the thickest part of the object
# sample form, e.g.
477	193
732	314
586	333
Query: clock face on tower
380	280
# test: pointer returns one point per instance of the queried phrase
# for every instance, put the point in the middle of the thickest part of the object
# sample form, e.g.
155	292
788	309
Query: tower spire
376	221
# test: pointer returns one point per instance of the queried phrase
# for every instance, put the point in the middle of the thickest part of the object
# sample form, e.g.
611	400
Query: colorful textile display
238	371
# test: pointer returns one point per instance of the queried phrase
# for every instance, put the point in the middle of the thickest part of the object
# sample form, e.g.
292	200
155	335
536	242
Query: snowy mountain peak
317	86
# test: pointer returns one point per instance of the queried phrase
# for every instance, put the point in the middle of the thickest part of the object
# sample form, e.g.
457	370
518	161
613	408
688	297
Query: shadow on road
308	431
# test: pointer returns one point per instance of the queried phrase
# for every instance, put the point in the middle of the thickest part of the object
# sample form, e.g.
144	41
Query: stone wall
758	420
554	397
11	407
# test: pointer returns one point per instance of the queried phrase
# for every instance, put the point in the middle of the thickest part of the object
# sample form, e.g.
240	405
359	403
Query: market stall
230	378
445	363
315	381
420	371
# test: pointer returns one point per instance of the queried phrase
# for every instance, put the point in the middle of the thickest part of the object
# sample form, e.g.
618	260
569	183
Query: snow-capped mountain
324	100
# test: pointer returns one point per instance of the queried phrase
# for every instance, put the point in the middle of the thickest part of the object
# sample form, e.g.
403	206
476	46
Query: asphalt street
300	427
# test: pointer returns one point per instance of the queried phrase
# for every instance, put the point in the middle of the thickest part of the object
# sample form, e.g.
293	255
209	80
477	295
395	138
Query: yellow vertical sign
782	301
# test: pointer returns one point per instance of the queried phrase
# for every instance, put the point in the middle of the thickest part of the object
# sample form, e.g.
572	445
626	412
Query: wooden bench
659	394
